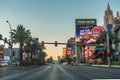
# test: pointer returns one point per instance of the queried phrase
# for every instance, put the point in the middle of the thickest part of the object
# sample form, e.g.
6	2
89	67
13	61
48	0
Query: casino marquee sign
84	28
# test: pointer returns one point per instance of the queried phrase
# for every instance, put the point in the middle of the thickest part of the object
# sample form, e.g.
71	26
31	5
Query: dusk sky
51	20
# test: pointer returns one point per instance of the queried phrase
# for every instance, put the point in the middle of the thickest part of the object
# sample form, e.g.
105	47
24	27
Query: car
16	63
3	64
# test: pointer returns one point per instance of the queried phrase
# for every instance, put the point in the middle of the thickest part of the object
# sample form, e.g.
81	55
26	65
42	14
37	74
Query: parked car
16	63
3	64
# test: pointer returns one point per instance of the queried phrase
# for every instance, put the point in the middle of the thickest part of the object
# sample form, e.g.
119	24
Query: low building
15	55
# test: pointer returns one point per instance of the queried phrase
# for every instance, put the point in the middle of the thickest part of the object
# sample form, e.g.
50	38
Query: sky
51	20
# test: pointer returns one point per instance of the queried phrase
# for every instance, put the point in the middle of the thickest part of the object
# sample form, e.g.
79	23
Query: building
15	56
117	34
115	21
108	17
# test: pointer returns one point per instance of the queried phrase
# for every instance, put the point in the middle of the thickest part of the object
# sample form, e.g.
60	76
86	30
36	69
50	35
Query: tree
42	57
36	50
112	39
19	36
102	38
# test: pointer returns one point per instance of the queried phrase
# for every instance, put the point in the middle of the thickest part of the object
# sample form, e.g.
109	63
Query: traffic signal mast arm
5	39
54	43
68	43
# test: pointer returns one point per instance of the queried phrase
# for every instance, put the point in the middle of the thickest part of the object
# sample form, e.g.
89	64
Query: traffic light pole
78	53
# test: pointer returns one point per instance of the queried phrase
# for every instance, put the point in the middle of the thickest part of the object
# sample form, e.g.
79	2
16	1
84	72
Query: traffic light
13	53
42	43
109	54
55	43
10	46
0	37
84	44
5	41
69	43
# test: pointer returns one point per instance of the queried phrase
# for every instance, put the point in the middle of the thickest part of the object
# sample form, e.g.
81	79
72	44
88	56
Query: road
59	72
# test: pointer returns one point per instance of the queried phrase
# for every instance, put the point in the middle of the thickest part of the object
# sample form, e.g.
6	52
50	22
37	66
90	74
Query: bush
115	63
102	63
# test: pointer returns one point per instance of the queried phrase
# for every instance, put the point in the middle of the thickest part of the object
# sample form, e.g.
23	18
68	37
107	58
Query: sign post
109	27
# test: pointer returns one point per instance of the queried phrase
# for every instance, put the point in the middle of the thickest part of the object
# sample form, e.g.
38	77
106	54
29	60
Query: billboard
109	27
84	28
86	22
97	31
69	52
6	59
81	31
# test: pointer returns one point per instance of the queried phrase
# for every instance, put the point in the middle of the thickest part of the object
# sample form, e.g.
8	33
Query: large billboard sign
84	28
81	31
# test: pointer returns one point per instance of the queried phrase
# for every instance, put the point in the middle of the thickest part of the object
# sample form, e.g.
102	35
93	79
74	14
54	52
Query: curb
106	66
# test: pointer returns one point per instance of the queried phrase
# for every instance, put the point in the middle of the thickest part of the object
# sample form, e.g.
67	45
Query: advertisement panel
69	52
81	31
6	59
86	22
109	27
84	28
97	31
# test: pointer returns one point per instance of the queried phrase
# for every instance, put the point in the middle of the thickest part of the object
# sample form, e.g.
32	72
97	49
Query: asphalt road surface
59	72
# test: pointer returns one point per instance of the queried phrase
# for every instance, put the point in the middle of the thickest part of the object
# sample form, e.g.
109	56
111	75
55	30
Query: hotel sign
86	22
84	28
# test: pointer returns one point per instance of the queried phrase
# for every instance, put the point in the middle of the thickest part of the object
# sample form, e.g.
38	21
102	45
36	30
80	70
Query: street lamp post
11	50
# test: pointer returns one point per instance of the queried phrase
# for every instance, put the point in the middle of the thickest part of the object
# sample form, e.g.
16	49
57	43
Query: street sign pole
108	50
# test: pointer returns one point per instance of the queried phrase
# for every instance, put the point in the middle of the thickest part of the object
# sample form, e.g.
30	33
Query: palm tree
102	38
19	36
36	50
42	56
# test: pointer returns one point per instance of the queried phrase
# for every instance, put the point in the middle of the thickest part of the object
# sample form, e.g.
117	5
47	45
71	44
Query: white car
3	64
16	63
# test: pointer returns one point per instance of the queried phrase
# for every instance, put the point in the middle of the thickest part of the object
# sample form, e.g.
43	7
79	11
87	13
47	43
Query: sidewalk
112	66
95	65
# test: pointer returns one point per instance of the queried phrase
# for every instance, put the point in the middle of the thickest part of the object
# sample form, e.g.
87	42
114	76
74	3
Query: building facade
109	18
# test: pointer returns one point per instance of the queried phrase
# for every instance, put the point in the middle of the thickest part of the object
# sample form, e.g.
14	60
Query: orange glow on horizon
53	51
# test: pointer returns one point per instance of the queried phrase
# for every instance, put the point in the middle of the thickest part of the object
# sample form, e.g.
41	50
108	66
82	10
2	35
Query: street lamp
10	42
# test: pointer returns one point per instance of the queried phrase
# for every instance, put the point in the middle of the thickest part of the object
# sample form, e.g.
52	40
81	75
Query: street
58	72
